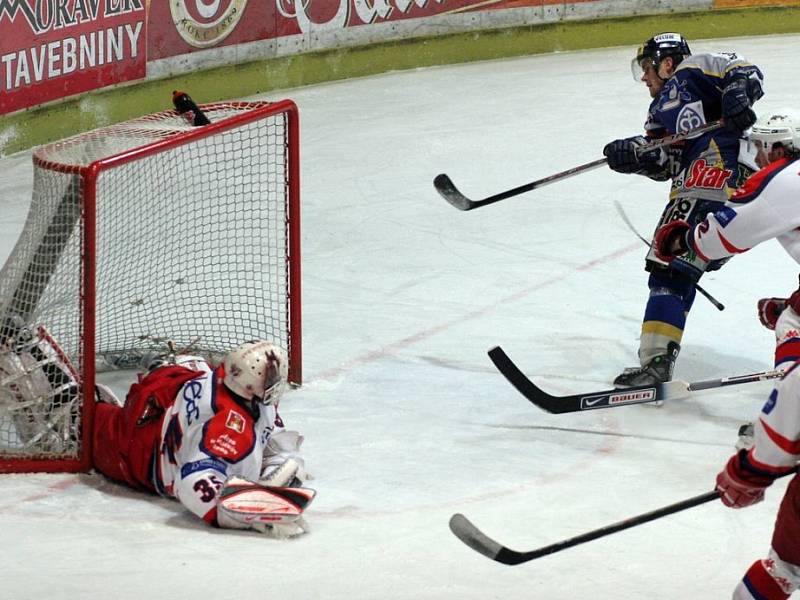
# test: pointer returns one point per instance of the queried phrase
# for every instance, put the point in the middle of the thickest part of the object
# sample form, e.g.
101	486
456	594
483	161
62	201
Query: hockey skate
658	370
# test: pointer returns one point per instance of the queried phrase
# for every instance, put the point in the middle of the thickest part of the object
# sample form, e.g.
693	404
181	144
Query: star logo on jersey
235	421
703	175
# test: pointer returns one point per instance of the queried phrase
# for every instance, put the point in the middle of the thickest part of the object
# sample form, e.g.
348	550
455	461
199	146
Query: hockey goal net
139	235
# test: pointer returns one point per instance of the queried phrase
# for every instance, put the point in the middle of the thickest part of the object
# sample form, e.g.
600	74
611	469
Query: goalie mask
256	371
779	128
657	48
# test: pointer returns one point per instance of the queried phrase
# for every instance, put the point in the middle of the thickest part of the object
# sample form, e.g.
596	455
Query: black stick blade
580	402
473	537
447	189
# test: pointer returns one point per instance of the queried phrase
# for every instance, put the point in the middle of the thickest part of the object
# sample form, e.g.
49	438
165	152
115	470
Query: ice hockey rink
406	420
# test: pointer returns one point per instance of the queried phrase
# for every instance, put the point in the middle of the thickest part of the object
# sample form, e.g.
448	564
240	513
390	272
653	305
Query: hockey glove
737	100
670	240
623	156
282	462
793	301
274	511
740	484
769	309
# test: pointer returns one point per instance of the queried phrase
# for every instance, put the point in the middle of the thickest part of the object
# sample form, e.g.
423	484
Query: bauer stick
719	305
639	394
448	190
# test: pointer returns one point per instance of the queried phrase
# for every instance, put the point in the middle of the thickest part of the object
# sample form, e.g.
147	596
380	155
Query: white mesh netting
191	247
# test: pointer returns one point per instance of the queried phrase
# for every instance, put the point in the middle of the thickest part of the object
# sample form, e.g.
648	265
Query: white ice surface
406	419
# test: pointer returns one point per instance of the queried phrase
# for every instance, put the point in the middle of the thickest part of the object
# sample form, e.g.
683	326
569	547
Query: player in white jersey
778	140
211	438
767	207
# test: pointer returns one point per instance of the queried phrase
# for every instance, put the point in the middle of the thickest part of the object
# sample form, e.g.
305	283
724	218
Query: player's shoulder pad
230	434
713	65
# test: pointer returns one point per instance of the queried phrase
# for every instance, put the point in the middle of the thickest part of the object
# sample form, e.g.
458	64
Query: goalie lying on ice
210	437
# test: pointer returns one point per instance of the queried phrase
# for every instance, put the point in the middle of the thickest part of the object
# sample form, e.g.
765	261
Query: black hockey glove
623	158
737	100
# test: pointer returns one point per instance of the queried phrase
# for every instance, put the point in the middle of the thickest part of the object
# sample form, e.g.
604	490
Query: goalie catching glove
283	465
273	511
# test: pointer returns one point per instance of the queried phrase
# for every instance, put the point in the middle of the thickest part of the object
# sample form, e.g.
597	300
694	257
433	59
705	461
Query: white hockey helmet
779	127
256	370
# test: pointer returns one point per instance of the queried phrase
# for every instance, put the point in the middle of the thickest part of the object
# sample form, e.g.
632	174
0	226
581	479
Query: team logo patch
771	402
725	215
690	117
202	23
235	421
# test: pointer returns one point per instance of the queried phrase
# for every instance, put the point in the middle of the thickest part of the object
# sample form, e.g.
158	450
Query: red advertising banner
50	49
185	26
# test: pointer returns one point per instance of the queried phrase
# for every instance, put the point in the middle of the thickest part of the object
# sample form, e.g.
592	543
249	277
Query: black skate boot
658	370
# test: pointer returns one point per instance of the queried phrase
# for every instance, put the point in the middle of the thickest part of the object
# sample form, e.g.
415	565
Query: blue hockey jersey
708	166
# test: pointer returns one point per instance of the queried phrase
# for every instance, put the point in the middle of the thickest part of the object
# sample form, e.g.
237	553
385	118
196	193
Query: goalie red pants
126	440
121	451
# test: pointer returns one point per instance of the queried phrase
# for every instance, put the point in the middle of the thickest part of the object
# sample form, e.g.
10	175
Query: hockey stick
717	304
445	186
480	542
639	394
473	537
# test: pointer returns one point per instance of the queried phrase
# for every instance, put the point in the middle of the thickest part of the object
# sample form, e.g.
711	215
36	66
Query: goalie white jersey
206	438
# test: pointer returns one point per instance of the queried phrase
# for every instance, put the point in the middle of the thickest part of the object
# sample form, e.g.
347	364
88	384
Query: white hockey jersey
767	207
206	438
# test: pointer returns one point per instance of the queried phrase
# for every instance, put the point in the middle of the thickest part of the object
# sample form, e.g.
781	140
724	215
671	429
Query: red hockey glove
739	485
793	301
670	240
769	309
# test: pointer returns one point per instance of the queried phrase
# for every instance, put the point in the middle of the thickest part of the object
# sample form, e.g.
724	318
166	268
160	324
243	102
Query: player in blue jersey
687	91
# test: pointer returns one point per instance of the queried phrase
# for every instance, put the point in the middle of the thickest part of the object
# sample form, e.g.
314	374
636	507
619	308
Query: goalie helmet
778	128
256	371
656	49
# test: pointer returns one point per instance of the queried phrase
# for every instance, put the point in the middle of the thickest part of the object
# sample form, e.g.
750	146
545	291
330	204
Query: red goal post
143	234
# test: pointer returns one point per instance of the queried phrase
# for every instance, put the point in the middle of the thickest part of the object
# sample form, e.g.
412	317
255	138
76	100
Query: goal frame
89	175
